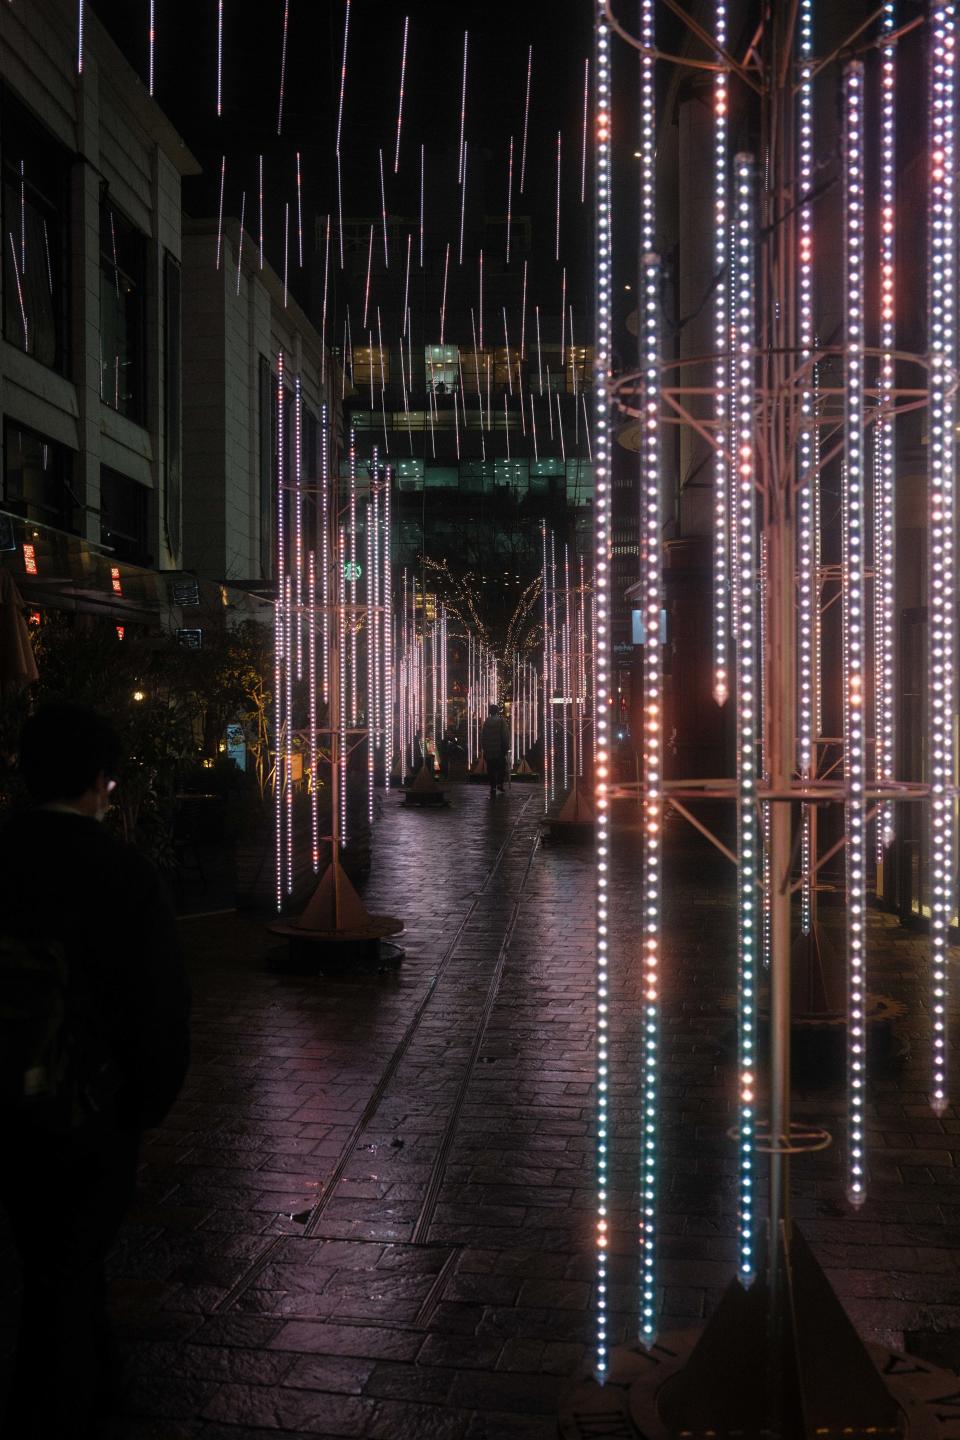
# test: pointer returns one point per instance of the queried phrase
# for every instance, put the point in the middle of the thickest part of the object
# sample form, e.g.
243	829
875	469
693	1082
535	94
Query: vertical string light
604	282
403	74
652	779
807	480
721	334
747	708
223	182
80	26
312	708
942	300
387	628
151	45
854	630
279	636
352	568
371	618
463	108
298	518
545	585
325	545
219	54
373	560
885	477
341	758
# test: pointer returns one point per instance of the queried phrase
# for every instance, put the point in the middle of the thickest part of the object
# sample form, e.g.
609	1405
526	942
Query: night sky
499	39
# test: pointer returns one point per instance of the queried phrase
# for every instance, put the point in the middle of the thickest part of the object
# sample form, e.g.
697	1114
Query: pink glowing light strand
283	65
298	517
312	707
286	251
509	196
443	302
371	672
463	202
463	108
480	305
556	248
383	212
366	288
406	289
323	319
583	152
219	57
506	341
223	182
299	212
151	46
279	632
325	546
243	207
342	664
403	75
526	122
81	18
353	576
343	79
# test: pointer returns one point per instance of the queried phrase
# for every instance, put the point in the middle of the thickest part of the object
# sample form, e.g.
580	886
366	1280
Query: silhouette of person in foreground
67	887
495	744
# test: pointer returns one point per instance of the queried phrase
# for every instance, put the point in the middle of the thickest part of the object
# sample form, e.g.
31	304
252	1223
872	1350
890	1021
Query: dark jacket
64	877
495	738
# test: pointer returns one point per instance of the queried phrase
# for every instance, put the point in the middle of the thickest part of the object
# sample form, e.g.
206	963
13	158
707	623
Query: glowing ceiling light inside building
721	340
748	664
942	300
885	474
854	628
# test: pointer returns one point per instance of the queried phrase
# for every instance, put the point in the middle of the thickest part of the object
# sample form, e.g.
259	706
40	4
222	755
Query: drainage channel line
425	1218
257	1267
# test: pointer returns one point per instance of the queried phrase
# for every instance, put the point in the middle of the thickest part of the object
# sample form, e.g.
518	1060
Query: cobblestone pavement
370	1213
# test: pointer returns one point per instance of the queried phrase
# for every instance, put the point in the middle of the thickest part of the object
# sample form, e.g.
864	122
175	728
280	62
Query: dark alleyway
370	1214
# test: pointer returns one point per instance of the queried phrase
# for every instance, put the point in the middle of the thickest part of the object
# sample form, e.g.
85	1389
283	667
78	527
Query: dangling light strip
80	25
312	701
388	647
885	481
747	709
298	519
374	557
353	574
342	663
604	280
325	545
807	587
854	629
279	638
546	664
941	290
652	778
288	651
371	618
721	374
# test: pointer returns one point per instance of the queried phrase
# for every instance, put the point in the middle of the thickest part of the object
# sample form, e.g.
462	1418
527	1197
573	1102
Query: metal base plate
626	1406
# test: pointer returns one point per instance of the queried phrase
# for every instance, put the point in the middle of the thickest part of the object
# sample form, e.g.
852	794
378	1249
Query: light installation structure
786	409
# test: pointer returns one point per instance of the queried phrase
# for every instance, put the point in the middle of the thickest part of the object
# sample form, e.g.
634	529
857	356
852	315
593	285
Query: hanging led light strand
652	778
403	75
941	291
604	279
747	710
721	335
807	479
885	474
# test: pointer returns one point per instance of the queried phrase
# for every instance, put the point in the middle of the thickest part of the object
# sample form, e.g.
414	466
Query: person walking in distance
495	744
94	1044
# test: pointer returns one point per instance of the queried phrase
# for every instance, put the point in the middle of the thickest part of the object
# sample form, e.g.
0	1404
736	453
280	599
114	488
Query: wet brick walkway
370	1213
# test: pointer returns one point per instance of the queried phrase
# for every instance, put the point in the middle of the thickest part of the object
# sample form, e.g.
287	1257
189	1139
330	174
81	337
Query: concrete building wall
118	143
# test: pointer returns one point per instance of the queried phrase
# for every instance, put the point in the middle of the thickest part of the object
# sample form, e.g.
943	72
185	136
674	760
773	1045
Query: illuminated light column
281	655
942	300
748	663
312	702
604	278
219	52
223	182
403	74
388	647
80	24
854	630
152	31
807	479
373	561
371	618
325	546
721	336
341	756
353	576
298	518
885	475
288	697
651	524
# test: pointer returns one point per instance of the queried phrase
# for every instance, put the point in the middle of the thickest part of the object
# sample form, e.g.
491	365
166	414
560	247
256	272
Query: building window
371	365
123	517
122	305
35	230
441	365
36	479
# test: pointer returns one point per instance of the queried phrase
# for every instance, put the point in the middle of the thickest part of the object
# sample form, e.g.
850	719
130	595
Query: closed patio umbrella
17	665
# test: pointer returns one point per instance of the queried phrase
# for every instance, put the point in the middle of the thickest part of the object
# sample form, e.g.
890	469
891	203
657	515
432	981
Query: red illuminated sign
115	580
30	559
120	632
